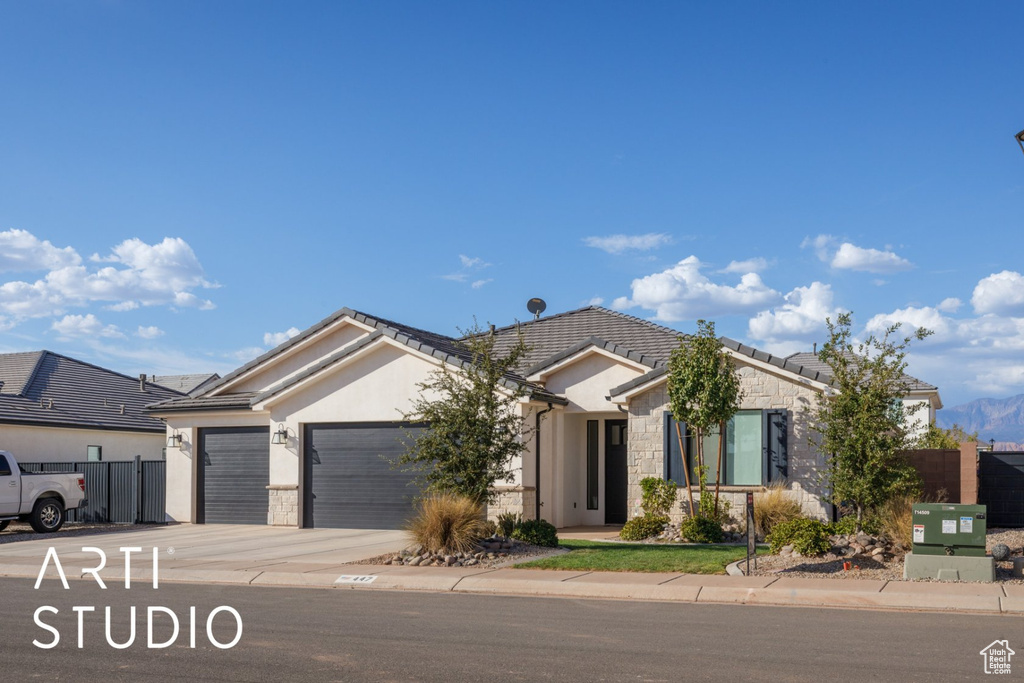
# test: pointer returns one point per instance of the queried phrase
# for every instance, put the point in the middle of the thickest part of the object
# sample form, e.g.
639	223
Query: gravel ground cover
21	531
491	553
831	566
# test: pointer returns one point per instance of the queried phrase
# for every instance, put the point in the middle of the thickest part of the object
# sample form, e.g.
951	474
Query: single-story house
303	435
58	409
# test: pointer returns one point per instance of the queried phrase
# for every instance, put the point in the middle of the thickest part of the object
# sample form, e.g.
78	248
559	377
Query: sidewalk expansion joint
254	578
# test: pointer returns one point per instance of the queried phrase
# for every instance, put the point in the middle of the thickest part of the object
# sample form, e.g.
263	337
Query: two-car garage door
349	481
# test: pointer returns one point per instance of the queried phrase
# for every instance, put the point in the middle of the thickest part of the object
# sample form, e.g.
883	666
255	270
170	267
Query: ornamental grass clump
772	506
447	522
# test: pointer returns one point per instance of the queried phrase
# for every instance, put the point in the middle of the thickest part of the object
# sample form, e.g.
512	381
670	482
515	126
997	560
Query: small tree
474	423
947	439
861	423
704	392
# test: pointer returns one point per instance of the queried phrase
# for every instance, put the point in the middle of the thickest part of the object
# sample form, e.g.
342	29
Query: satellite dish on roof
536	306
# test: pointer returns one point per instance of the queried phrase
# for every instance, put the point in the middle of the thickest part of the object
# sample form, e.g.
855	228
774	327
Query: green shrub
536	532
845	526
639	528
807	536
658	496
772	506
447	522
508	522
701	530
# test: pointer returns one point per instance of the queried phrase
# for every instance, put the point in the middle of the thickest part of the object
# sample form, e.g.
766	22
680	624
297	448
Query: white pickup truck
41	499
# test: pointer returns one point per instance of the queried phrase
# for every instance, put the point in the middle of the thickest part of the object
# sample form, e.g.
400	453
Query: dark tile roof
444	348
549	336
186	384
597	342
63	392
241	400
811	361
16	370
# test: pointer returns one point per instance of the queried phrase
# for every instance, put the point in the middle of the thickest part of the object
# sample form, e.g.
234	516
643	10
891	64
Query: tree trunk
686	467
718	472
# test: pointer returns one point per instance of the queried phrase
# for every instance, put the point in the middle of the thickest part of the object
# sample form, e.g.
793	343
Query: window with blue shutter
755	449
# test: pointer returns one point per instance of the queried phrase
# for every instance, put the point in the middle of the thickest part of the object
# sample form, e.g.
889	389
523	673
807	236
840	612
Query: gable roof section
58	391
445	349
552	335
811	361
597	343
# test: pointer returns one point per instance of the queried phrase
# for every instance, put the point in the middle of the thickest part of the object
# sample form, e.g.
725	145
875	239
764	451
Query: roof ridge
550	317
620	314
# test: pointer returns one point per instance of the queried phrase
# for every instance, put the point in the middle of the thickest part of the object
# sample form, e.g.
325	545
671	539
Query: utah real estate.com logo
997	657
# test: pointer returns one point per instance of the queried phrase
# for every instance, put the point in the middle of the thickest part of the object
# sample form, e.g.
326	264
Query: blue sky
183	183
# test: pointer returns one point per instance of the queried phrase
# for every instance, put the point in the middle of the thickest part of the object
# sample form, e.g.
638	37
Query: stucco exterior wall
58	444
295	361
761	390
585	382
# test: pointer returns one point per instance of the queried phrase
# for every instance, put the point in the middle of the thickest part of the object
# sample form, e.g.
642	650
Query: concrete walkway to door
213	551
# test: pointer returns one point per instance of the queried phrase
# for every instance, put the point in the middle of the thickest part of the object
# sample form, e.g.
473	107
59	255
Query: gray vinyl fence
118	491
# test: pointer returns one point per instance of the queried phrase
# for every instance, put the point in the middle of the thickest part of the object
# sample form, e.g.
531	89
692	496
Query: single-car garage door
348	480
234	471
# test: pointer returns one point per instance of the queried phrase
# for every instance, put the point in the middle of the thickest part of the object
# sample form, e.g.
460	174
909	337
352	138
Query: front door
616	474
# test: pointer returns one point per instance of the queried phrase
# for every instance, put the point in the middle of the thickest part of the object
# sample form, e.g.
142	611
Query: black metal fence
1001	487
118	491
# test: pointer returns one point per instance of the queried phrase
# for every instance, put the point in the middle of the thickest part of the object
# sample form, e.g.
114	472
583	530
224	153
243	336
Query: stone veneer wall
521	499
284	506
761	390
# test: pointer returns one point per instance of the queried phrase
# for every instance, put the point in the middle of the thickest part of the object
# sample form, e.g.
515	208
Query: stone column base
283	509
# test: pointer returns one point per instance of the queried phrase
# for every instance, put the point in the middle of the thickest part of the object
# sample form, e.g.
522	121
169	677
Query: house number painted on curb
355	578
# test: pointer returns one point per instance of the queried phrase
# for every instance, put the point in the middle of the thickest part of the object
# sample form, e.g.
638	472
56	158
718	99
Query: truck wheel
3	524
47	515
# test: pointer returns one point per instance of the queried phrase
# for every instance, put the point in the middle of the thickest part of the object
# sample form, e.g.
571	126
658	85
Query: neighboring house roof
47	389
186	384
811	360
446	349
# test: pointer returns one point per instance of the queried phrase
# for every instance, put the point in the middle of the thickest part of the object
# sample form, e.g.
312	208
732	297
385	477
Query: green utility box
947	529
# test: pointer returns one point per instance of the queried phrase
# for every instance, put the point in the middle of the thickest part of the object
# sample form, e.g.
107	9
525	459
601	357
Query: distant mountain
992	418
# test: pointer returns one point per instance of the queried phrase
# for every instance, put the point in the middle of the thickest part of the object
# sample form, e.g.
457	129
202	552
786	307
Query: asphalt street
303	634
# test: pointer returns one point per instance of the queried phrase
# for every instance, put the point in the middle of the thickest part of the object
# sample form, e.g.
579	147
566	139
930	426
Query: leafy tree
948	439
474	423
861	423
704	392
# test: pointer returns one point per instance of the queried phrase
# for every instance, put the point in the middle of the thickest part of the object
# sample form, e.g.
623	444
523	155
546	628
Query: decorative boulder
1000	552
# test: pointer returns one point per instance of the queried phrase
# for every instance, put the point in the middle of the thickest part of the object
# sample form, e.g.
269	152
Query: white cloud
950	305
595	301
149	332
682	292
159	274
20	250
278	338
616	244
799	321
848	256
911	318
84	326
1000	293
469	272
852	257
751	265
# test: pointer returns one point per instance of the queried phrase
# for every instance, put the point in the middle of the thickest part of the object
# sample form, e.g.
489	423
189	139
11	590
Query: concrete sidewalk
310	562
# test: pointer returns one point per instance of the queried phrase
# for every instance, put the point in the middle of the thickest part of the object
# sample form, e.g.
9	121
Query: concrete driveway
212	548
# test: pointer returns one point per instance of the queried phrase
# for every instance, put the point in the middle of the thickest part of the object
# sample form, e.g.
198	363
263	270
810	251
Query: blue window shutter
775	445
673	454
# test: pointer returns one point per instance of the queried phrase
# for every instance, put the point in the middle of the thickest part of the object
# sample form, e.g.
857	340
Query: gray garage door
234	471
348	479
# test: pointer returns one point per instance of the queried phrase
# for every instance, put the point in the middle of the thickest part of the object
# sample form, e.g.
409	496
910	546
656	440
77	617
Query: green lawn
640	557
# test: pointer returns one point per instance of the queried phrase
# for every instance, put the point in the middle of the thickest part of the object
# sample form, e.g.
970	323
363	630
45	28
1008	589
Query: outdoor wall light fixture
281	435
1020	140
174	440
